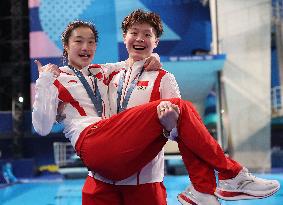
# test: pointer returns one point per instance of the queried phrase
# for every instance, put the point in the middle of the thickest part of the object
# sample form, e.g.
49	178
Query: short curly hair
140	16
72	26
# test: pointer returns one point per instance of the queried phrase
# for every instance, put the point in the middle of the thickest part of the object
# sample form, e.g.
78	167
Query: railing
64	153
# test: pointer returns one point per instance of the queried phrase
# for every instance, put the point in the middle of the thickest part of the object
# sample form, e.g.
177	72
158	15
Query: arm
105	70
152	63
168	113
45	103
169	87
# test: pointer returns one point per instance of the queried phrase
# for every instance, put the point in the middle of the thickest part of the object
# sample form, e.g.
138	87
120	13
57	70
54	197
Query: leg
98	193
120	141
202	154
235	181
149	194
122	137
195	137
127	142
201	174
202	177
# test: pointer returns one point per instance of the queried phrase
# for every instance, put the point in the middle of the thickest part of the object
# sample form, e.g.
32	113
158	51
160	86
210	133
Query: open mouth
140	48
84	55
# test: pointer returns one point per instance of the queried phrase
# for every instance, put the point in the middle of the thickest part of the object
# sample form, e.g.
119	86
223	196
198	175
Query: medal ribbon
132	86
96	96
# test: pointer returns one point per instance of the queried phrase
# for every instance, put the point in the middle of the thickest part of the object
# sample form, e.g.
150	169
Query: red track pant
96	192
119	146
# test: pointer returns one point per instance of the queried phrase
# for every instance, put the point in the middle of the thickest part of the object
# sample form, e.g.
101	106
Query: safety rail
64	154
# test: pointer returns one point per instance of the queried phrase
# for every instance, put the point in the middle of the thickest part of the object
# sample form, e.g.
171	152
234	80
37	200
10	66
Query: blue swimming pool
68	192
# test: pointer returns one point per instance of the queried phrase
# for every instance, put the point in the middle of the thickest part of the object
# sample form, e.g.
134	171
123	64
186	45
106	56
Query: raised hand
39	66
52	68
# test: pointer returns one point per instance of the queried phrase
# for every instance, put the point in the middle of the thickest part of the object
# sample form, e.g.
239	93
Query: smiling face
81	47
140	40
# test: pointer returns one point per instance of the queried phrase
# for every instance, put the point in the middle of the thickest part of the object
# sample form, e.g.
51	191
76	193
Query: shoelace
250	175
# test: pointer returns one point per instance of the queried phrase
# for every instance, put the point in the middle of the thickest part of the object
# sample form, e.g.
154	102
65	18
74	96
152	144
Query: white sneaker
192	197
246	186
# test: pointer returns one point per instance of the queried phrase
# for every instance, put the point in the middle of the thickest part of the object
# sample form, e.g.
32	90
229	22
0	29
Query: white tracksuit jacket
144	91
80	111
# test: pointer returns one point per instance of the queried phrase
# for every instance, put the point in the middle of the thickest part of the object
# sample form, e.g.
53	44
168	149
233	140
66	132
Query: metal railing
64	153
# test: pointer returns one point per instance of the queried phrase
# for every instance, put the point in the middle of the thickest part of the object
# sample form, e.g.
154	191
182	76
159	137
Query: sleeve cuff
172	135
